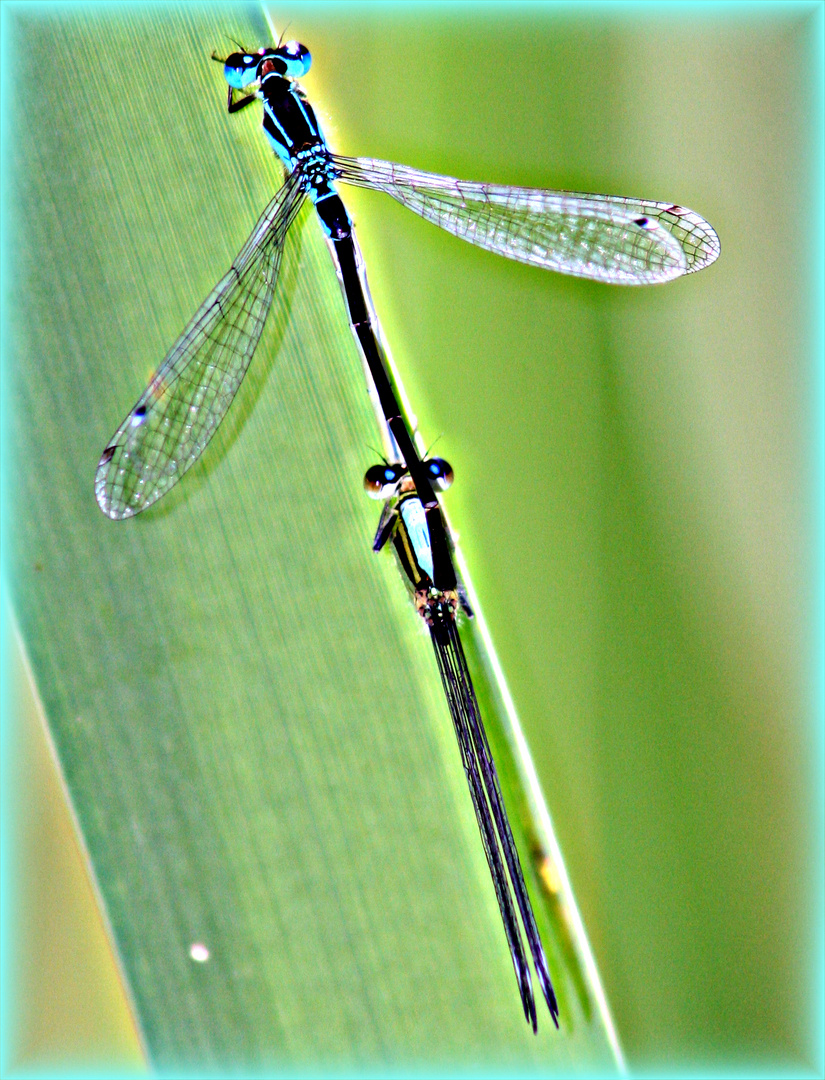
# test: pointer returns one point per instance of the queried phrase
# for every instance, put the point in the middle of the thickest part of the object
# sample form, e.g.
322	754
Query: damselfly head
381	481
291	60
385	481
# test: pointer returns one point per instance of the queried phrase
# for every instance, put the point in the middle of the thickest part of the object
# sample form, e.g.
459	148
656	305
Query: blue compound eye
381	481
296	57
240	69
440	473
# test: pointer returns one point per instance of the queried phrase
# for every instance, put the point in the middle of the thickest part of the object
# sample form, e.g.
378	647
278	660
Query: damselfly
618	240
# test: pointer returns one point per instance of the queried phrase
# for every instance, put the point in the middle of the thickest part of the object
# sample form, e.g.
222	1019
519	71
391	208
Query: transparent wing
605	237
178	413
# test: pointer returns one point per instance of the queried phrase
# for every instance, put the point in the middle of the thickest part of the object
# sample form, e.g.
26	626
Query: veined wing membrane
604	237
178	413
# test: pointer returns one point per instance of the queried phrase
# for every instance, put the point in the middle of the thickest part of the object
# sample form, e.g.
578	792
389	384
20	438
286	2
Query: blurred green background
633	471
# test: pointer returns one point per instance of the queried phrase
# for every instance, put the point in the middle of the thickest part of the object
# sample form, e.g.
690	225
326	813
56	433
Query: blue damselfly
610	239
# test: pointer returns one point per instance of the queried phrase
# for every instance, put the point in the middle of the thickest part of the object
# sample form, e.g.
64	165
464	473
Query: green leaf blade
244	705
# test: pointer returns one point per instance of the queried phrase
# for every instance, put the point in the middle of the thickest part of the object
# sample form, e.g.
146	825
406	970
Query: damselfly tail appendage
496	834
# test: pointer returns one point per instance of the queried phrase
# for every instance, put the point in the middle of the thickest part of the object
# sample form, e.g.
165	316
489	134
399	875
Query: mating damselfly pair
616	240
